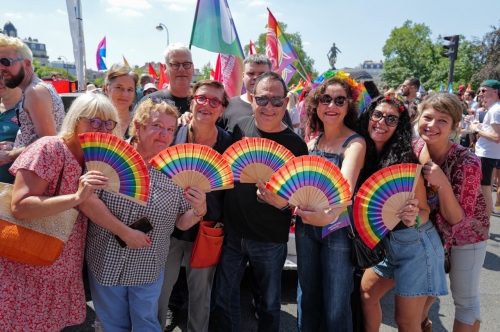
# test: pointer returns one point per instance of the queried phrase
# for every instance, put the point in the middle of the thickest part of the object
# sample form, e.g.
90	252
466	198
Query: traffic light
451	49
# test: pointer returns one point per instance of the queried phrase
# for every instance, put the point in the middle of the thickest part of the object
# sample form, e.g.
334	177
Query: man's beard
15	80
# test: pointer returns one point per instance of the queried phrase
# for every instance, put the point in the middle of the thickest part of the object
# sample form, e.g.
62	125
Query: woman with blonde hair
49	298
126	281
293	99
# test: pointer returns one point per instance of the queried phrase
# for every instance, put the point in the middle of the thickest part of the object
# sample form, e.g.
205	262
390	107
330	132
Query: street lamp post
160	28
64	64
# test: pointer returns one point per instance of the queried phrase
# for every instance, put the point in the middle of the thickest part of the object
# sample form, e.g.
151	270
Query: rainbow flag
299	88
214	30
278	48
100	54
364	98
125	62
288	73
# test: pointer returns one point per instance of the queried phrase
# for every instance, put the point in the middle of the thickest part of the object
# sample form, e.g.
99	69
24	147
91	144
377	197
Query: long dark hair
398	148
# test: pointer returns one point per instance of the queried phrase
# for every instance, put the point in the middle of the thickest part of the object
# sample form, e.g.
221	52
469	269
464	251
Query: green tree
46	71
489	57
205	71
296	41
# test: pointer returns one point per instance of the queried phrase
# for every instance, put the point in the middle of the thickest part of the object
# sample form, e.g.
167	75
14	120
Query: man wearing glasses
41	111
487	147
257	222
180	70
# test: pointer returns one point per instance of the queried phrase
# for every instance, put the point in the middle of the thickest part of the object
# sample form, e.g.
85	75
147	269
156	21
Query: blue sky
358	27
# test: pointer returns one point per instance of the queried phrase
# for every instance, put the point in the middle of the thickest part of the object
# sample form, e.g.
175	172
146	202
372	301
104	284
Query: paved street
442	312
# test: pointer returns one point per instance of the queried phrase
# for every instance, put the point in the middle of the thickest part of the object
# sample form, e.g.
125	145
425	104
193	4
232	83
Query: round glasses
327	99
275	101
390	120
202	100
185	65
97	123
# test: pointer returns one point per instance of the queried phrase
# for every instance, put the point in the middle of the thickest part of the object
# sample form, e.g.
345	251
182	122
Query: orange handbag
208	245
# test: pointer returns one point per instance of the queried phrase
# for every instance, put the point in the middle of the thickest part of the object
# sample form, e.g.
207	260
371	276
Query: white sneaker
496	210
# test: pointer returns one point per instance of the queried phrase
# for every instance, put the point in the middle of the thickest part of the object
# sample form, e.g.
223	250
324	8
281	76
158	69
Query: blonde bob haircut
443	102
144	110
89	105
22	50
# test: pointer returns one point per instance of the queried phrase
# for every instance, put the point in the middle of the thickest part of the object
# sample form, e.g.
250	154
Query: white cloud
113	10
59	11
180	1
131	12
258	3
137	4
306	43
13	15
176	8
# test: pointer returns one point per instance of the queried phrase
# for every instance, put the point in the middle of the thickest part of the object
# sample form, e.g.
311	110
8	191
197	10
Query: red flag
231	68
152	71
278	48
309	79
125	62
217	71
469	88
163	82
251	48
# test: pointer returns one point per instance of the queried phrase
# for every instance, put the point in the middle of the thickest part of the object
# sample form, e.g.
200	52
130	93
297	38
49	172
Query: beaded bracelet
417	219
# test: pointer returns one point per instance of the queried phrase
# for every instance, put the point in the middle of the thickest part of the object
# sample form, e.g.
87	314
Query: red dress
46	298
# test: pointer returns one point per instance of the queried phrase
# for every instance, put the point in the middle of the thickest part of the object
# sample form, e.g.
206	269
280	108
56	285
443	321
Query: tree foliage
46	71
205	71
489	57
296	41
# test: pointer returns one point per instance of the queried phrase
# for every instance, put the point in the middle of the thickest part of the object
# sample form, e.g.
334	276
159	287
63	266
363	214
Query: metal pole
450	73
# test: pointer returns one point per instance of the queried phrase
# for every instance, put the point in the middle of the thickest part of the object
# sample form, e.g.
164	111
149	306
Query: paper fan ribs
256	158
120	162
380	198
311	181
195	165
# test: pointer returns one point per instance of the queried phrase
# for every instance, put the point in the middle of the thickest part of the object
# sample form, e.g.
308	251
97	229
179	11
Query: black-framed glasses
97	123
390	120
275	101
202	100
185	65
6	62
483	91
327	99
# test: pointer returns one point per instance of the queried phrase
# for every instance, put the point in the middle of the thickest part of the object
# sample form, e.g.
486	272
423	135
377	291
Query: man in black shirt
257	227
180	70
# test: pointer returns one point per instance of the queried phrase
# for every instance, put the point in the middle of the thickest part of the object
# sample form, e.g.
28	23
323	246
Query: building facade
69	66
38	49
375	69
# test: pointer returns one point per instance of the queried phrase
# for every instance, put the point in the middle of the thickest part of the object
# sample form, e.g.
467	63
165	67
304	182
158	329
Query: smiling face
156	135
179	78
121	91
331	113
379	131
268	117
489	96
206	114
435	127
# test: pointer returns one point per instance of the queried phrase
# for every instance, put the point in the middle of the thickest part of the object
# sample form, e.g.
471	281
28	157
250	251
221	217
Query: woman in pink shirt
458	208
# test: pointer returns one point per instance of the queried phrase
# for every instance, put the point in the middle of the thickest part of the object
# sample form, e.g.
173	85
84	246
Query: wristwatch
286	208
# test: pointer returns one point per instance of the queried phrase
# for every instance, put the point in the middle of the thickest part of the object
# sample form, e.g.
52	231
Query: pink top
465	178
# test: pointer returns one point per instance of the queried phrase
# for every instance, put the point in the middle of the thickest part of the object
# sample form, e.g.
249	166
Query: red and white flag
251	48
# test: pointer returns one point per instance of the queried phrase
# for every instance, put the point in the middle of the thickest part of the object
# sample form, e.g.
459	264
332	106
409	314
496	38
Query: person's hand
4	157
475	125
136	239
89	182
185	119
6	146
197	199
318	217
269	197
408	214
434	174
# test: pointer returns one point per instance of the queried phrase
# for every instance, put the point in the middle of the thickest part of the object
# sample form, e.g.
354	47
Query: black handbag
363	257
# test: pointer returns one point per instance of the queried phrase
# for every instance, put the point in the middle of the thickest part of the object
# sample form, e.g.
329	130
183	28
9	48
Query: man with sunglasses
239	106
9	102
41	111
180	70
487	146
257	222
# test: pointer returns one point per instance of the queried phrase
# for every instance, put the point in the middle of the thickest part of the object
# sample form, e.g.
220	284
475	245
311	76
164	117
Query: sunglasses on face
97	123
6	62
185	65
275	101
390	120
483	91
327	99
202	100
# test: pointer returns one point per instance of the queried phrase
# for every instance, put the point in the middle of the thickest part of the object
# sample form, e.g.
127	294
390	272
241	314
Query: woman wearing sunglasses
208	101
323	263
414	260
49	298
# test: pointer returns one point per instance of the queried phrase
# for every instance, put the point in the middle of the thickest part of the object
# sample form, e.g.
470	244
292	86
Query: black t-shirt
215	199
237	109
182	104
243	214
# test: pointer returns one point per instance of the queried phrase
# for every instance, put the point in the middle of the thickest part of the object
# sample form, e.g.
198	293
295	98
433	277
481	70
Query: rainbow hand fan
311	181
120	162
380	198
256	158
195	165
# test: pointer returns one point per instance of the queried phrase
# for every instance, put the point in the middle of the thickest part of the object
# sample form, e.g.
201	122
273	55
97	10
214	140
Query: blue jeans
267	261
325	276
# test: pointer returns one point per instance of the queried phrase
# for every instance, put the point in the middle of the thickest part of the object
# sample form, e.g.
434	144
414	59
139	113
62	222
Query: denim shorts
415	260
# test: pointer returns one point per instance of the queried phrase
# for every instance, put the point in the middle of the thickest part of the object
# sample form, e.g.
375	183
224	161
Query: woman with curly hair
414	261
323	263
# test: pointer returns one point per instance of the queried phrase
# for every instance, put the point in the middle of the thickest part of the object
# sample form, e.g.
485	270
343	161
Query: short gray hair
174	47
258	59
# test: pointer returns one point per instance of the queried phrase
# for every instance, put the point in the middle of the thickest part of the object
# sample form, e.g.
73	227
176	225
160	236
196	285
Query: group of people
133	287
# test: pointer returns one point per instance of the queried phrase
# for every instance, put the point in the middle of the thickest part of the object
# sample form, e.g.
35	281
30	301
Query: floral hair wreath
396	101
341	75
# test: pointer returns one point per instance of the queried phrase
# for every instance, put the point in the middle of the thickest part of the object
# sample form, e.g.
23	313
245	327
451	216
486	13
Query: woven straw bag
32	241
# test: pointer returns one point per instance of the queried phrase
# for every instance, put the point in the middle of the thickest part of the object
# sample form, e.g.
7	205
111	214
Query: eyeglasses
327	99
97	123
185	65
483	91
202	100
390	120
275	101
6	62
